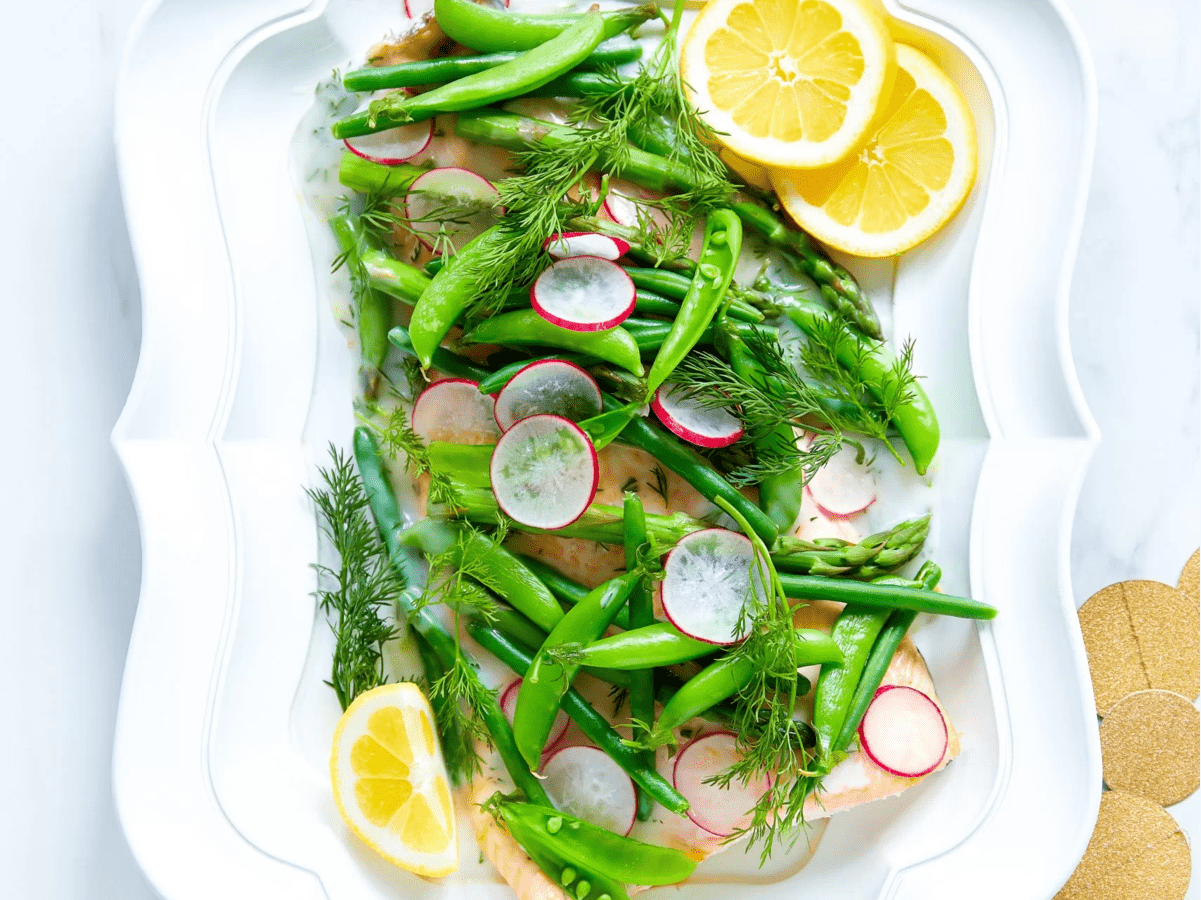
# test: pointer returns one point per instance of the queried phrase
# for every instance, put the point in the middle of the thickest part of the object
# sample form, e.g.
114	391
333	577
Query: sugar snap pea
491	30
559	865
369	177
543	686
644	646
719	256
524	327
855	631
373	313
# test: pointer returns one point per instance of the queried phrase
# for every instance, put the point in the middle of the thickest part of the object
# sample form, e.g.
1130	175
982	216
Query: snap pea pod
616	51
914	416
491	565
732	672
693	469
567	590
584	881
542	688
448	295
780	495
468	461
400	280
620	858
644	647
373	313
441	359
369	177
390	524
719	256
855	631
642	614
882	596
604	429
530	71
491	30
525	327
880	658
594	726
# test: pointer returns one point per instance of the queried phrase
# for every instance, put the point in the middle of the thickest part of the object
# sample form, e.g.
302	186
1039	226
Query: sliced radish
508	703
452	201
584	293
903	732
548	386
584	782
455	410
843	487
394	146
718	810
688	418
626	204
544	472
708	578
585	243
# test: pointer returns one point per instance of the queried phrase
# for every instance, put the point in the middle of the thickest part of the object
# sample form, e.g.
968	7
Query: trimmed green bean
642	615
882	596
373	313
400	280
442	359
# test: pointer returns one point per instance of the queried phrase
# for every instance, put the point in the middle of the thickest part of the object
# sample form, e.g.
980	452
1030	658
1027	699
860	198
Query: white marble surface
71	338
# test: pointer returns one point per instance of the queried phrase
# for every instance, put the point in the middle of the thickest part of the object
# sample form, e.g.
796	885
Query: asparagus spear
875	555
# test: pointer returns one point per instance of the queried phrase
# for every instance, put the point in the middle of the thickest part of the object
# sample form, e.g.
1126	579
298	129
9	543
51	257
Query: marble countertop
70	528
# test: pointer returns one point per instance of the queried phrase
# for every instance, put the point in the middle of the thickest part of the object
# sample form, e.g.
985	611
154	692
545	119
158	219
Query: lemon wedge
911	174
390	781
788	83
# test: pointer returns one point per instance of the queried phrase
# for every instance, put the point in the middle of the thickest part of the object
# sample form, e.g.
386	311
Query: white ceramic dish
219	760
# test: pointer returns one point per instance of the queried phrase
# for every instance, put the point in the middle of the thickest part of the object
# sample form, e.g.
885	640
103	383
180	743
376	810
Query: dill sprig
401	442
362	587
454	697
771	741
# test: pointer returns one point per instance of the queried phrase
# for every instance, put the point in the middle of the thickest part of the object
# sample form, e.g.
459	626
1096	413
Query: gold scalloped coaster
1151	745
1140	635
1190	577
1137	852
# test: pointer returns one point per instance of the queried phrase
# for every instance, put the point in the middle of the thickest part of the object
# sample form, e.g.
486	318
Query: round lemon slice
912	173
788	83
390	781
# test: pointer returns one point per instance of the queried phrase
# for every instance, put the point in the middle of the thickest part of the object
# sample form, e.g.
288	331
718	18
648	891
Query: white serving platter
219	764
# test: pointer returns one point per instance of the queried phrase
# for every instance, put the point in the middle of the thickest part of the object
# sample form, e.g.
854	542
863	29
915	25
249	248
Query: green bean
543	686
441	359
855	632
448	295
642	614
661	281
594	726
914	417
882	596
616	51
369	177
650	334
492	30
620	858
525	327
374	312
719	256
583	84
530	71
388	519
490	564
651	304
693	469
498	379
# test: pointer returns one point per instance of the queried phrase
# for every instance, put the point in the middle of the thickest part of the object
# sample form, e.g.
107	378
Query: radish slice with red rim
586	783
844	486
450	204
585	243
548	386
626	204
393	146
688	418
718	810
904	732
508	704
708	577
544	472
584	293
454	410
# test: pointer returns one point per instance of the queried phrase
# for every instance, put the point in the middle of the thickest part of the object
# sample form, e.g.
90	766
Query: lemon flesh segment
390	781
911	174
788	82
